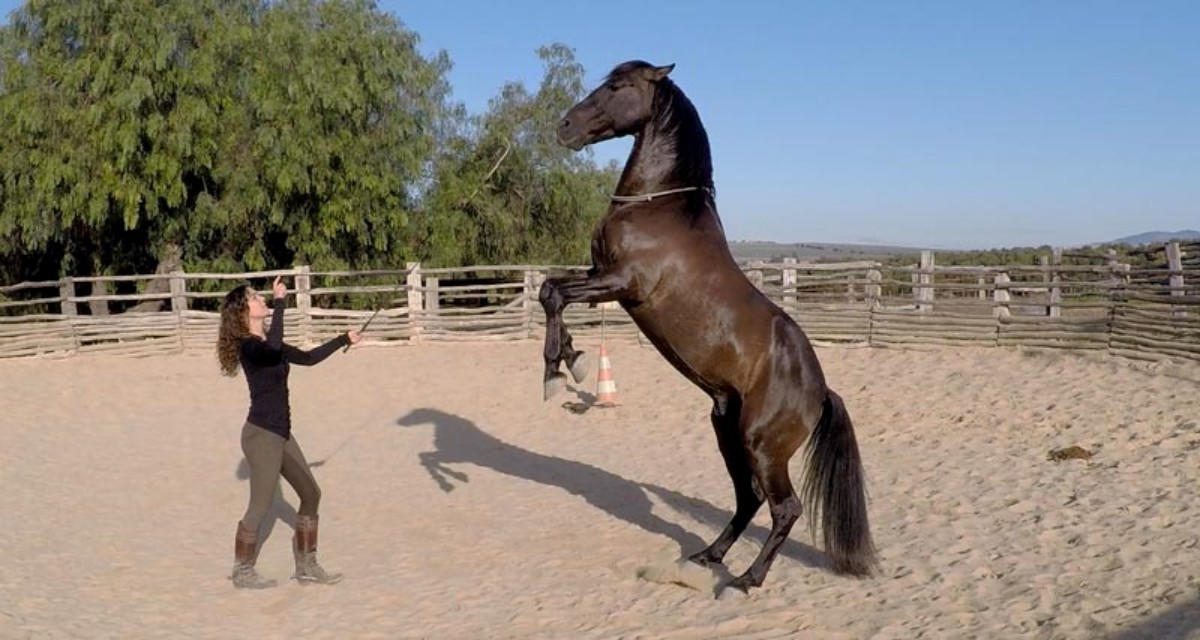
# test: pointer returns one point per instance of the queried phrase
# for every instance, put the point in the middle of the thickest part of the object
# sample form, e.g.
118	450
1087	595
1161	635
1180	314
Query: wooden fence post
788	280
874	290
924	294
1001	296
1050	276
1114	267
68	308
304	302
66	290
416	304
1175	264
431	295
1121	275
532	285
755	274
1056	291
179	303
1116	294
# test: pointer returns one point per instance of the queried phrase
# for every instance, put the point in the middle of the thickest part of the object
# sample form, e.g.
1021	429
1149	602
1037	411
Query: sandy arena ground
459	505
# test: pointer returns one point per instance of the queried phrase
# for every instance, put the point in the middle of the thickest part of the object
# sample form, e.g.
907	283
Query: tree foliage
506	191
255	134
337	130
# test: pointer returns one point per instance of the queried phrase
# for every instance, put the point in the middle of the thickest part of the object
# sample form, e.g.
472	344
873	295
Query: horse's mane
676	118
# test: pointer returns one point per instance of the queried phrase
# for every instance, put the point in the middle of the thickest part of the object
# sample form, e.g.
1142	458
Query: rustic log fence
1145	313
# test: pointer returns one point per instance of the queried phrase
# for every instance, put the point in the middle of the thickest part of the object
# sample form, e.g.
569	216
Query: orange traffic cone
606	386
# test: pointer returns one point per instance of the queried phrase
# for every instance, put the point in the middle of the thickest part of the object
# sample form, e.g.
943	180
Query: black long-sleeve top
266	364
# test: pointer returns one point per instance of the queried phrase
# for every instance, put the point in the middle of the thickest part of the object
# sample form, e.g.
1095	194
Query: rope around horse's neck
647	197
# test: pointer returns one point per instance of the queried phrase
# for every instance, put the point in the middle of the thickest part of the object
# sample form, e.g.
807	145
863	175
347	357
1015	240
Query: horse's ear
661	72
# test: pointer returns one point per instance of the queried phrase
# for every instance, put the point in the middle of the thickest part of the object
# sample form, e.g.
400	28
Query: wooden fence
1147	313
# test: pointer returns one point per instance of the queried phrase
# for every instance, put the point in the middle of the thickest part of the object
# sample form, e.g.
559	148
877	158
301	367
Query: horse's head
621	106
423	416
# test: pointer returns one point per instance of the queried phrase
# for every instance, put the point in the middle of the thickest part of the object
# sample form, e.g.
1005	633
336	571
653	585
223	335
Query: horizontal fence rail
1149	313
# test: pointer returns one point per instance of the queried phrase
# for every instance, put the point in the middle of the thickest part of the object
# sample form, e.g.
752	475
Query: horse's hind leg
726	416
775	442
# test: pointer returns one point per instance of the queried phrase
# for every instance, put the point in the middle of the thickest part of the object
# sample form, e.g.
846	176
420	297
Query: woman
267	439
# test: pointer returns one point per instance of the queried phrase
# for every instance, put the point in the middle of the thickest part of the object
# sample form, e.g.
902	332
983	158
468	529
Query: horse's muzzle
572	140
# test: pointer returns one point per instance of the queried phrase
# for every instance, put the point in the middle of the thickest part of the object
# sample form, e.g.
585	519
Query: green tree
506	191
112	110
341	125
248	134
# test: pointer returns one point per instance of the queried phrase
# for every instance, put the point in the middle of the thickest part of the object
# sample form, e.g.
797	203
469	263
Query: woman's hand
354	336
278	288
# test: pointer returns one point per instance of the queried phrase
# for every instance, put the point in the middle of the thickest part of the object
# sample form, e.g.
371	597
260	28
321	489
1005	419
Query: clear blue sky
937	123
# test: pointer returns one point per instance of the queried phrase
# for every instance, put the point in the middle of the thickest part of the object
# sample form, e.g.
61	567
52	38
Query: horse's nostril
564	123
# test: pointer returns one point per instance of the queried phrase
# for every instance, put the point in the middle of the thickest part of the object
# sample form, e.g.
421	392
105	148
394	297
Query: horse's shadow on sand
1176	623
458	440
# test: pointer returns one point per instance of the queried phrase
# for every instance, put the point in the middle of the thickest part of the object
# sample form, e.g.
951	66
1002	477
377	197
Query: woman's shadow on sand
458	440
280	508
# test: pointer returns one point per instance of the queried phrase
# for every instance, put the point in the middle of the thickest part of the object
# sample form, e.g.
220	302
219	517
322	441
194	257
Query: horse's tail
834	489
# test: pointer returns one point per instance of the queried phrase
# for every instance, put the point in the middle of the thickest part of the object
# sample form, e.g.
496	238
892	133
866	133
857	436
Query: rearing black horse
660	251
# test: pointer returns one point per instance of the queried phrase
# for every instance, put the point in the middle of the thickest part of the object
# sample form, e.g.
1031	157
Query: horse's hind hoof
705	558
743	583
579	367
737	587
555	383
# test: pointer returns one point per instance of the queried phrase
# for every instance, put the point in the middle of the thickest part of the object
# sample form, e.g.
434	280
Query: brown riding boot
245	552
305	549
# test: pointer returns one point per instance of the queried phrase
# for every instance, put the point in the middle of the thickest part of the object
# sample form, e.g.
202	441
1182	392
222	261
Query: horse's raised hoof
579	367
553	384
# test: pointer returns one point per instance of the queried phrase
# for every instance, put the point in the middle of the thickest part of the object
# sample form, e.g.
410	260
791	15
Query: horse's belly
700	346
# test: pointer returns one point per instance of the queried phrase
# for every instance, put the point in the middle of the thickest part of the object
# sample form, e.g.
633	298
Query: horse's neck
654	165
642	173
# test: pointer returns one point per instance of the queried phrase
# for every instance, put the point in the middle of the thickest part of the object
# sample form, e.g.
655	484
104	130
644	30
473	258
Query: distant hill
1159	236
767	251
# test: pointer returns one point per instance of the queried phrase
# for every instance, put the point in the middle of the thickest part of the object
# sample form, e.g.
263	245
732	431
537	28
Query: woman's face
256	306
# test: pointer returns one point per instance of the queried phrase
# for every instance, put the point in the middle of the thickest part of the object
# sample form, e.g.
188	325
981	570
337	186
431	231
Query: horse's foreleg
555	295
558	345
438	471
726	415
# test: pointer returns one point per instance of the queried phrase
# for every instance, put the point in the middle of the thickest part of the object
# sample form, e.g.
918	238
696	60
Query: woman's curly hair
233	328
